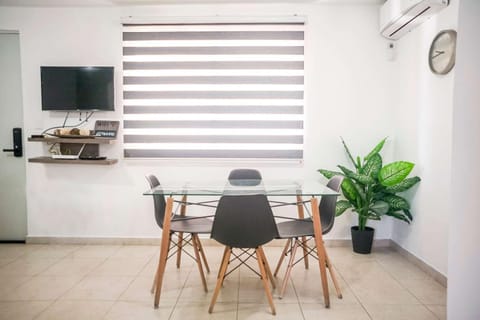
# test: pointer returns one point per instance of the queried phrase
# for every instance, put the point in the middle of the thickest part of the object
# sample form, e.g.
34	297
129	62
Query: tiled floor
113	282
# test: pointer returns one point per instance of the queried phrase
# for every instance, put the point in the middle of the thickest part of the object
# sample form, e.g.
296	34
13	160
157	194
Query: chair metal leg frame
262	264
310	251
301	215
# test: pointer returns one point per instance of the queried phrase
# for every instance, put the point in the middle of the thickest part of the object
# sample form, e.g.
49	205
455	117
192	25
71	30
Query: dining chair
296	230
244	222
185	228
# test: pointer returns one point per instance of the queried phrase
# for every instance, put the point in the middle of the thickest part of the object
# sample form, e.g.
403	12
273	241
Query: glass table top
243	187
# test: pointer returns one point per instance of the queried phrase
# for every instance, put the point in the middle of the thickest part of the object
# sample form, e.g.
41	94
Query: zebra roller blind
213	90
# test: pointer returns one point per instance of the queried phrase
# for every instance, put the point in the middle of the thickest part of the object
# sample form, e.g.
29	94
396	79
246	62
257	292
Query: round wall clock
441	56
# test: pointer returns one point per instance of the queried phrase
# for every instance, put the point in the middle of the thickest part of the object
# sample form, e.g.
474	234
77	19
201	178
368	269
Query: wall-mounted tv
77	88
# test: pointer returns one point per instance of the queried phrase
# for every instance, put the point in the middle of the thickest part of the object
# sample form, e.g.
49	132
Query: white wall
463	300
348	93
423	129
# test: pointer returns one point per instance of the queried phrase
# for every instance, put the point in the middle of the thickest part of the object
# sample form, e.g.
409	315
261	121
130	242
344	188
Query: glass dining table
301	193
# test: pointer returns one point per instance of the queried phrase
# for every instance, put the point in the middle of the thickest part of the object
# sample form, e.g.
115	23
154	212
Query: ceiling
96	3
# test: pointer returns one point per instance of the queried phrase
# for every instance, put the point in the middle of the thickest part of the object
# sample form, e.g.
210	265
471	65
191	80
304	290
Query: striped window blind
213	90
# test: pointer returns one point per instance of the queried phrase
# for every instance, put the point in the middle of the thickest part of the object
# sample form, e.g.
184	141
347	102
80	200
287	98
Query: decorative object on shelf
441	56
106	128
371	190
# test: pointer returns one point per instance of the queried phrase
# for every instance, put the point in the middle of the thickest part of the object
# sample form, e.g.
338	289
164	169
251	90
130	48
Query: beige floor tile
252	290
287	311
27	266
22	310
400	268
199	311
399	312
439	311
346	254
139	290
12	251
361	269
76	310
428	291
193	289
120	267
151	267
382	289
43	288
95	251
98	288
135	252
72	266
308	287
10	283
5	261
50	251
122	310
341	312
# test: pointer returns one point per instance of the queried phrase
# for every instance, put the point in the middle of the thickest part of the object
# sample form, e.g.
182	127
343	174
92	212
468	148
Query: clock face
441	56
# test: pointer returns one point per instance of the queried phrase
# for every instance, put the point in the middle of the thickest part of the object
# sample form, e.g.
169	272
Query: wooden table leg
317	228
183	210
301	215
164	246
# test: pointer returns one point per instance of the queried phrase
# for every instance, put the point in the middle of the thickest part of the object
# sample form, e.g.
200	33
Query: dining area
243	221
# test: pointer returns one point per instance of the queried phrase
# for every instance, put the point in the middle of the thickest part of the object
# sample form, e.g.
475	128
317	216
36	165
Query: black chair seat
294	229
191	225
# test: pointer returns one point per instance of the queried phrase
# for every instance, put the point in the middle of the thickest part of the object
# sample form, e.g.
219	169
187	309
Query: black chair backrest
239	177
328	203
244	221
158	200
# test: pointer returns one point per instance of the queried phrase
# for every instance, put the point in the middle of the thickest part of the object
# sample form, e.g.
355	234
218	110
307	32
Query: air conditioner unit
397	17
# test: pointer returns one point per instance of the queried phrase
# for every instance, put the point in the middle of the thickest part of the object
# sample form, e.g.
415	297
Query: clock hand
437	54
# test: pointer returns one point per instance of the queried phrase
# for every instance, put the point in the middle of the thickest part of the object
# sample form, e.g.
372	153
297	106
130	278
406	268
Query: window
213	90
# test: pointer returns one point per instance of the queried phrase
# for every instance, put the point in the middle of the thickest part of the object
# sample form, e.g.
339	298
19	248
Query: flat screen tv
77	88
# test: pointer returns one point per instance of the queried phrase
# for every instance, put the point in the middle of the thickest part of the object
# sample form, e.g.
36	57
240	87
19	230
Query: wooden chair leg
202	254
221	276
267	267
164	247
264	279
333	276
291	261
317	228
284	253
152	290
199	262
305	251
179	248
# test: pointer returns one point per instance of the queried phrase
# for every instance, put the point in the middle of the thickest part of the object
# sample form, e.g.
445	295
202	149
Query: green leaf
376	150
373	166
396	203
348	153
342	206
349	190
363	179
329	174
408	214
380	207
398	216
394	173
404	185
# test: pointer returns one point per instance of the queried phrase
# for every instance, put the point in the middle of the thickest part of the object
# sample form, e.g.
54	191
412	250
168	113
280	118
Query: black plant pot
362	240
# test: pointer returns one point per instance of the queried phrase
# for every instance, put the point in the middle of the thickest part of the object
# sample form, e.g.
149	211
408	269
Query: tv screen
77	88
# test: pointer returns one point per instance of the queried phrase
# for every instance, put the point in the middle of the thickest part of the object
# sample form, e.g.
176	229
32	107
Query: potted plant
371	190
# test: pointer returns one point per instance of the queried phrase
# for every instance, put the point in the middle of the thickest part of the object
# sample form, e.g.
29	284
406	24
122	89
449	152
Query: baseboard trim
438	276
